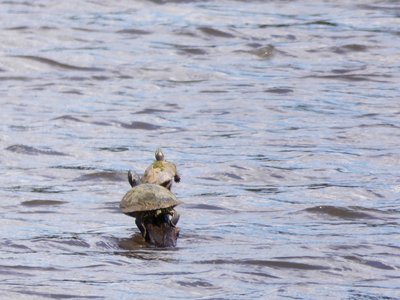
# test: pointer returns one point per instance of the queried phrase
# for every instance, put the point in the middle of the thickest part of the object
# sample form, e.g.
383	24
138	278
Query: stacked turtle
151	202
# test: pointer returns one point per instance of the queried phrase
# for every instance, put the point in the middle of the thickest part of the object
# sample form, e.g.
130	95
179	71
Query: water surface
284	121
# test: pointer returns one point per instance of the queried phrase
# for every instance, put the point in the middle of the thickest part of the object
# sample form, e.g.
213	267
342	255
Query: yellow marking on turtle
158	165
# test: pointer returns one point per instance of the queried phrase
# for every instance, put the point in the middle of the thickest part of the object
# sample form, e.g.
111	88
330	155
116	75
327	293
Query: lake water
283	118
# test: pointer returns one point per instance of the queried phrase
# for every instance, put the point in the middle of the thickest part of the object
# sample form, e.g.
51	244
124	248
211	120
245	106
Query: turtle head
159	155
133	179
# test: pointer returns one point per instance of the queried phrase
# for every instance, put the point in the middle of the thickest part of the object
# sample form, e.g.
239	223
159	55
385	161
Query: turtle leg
177	178
170	218
139	223
133	178
167	184
146	221
145	234
174	218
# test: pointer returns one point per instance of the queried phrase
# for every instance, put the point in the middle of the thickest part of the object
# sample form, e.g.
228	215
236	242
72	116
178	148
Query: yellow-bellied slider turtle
153	207
161	172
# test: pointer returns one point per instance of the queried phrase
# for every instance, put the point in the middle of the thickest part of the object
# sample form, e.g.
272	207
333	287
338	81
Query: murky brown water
283	118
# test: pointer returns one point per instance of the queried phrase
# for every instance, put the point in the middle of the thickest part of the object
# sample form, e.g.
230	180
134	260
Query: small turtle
161	172
153	207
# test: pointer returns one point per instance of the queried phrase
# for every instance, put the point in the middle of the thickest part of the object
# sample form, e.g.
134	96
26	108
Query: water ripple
283	118
29	150
340	212
275	264
54	63
38	203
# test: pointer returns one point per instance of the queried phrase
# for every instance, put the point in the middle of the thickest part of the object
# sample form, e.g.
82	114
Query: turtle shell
147	197
159	172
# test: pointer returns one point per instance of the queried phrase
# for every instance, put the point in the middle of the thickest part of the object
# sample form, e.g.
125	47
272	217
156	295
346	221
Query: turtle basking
153	207
161	172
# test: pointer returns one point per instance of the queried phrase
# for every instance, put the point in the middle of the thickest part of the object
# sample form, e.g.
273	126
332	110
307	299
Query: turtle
160	172
152	206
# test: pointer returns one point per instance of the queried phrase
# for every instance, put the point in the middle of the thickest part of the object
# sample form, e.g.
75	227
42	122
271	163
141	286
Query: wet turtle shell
146	198
161	172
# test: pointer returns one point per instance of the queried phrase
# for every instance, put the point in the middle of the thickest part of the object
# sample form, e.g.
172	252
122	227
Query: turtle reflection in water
160	172
153	207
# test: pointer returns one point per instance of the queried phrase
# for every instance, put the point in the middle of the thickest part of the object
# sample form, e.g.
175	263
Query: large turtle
153	207
160	172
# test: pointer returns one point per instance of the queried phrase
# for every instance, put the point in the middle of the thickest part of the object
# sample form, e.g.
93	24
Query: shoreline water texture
283	118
